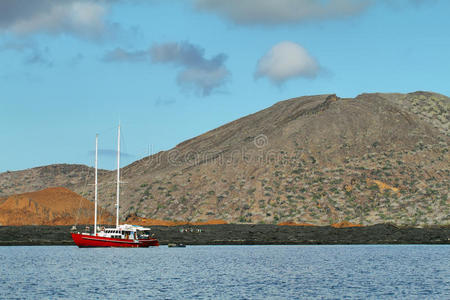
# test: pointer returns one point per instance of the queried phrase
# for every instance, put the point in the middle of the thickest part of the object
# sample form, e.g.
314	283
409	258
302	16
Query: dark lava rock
241	234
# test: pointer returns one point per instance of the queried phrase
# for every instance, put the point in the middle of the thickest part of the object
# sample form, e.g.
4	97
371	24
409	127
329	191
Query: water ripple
225	272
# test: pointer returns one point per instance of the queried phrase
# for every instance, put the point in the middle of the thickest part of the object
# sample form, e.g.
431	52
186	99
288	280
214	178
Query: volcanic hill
52	206
375	158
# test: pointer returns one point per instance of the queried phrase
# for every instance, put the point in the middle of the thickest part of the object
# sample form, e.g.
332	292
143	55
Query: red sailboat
125	235
121	236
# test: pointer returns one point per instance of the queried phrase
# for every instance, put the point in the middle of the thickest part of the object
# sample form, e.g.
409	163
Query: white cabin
125	231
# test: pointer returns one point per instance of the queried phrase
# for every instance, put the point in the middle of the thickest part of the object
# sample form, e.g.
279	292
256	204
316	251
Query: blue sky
171	70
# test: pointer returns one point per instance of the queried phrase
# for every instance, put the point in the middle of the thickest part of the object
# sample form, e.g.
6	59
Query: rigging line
99	221
103	217
82	195
125	150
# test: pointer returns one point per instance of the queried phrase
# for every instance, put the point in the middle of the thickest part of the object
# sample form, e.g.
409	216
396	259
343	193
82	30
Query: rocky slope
315	159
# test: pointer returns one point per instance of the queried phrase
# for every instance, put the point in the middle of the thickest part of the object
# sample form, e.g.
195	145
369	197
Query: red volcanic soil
290	223
210	222
345	224
51	206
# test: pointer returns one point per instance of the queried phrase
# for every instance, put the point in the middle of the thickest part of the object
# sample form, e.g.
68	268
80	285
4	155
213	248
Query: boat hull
87	241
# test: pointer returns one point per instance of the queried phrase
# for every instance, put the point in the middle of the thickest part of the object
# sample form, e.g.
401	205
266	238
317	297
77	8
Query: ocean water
227	272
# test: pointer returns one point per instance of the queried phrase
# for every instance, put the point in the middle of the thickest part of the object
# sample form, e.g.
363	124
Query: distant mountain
314	159
74	177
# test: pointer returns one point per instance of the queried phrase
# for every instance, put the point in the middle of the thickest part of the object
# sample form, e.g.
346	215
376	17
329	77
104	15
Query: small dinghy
176	245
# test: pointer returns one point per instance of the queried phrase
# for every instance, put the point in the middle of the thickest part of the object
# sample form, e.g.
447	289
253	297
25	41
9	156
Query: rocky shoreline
245	234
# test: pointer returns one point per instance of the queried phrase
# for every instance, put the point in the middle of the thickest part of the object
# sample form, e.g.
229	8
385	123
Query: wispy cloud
197	71
39	57
76	59
285	61
203	74
33	53
111	153
164	102
122	55
19	46
399	5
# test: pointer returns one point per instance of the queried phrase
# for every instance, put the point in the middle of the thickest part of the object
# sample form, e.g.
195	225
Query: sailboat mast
118	177
95	193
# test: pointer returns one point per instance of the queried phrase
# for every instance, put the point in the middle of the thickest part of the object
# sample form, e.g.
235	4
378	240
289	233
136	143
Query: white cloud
79	17
282	11
287	60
